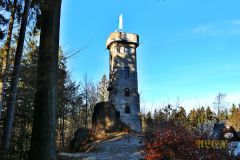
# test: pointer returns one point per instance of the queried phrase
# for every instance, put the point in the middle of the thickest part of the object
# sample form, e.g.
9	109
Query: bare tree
220	102
85	86
92	100
89	93
102	89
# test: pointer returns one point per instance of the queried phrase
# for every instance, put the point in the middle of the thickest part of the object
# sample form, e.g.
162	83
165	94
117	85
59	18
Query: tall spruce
6	55
209	114
43	144
15	78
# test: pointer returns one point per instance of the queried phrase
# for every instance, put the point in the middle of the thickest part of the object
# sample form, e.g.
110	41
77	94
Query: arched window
127	110
126	92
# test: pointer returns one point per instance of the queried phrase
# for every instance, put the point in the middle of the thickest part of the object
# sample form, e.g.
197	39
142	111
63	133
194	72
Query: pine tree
5	54
209	114
155	115
15	78
235	117
233	110
201	115
192	117
149	120
161	115
181	115
223	114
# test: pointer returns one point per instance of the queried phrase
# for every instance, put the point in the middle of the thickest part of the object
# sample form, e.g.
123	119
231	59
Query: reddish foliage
177	142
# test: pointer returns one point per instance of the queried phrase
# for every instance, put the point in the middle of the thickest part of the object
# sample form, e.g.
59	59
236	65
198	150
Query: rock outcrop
105	119
81	137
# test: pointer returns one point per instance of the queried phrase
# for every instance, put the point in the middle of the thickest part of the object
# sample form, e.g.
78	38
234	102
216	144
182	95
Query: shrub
176	142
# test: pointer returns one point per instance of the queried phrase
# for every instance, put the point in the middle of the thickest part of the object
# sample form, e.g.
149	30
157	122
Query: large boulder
106	119
81	137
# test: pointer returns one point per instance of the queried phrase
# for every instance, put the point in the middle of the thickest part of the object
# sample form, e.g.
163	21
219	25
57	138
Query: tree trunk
15	77
6	55
62	130
43	143
86	110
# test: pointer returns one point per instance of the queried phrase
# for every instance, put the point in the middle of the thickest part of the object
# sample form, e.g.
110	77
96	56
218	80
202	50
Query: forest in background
21	27
197	115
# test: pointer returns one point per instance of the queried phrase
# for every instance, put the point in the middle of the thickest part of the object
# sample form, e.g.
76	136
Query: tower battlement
122	37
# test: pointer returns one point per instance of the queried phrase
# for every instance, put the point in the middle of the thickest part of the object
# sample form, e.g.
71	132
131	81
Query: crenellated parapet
122	37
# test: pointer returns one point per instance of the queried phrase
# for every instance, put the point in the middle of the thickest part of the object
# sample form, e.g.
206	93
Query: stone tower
123	81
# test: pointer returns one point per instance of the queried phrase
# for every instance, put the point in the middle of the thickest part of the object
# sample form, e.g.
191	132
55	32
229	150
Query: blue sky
189	48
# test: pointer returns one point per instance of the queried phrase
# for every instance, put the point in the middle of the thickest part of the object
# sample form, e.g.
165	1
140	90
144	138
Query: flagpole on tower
120	23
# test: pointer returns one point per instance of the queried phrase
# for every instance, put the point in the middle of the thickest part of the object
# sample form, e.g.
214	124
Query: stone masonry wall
123	77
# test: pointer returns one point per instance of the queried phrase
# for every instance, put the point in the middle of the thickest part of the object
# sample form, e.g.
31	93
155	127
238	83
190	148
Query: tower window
127	110
118	114
116	49
121	49
126	72
126	49
126	92
132	49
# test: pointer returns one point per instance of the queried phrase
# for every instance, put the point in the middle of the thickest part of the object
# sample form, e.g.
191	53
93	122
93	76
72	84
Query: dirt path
125	147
